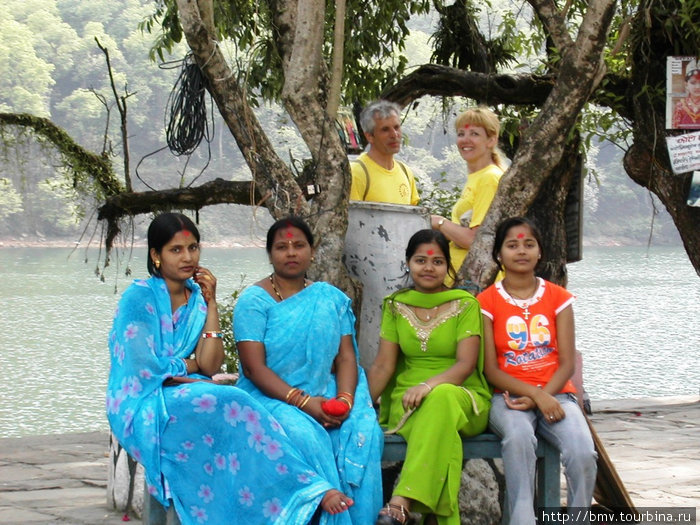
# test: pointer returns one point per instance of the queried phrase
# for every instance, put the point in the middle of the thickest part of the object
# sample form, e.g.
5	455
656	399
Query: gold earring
157	264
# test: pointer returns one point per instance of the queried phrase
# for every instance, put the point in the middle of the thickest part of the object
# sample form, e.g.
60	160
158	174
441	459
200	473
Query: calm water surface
634	314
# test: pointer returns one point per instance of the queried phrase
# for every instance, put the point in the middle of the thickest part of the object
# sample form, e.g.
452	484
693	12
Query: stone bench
488	446
483	446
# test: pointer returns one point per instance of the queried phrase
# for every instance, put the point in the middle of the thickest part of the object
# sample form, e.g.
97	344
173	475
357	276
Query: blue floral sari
302	336
211	449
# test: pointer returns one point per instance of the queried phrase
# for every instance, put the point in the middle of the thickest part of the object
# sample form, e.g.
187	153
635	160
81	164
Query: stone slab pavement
654	444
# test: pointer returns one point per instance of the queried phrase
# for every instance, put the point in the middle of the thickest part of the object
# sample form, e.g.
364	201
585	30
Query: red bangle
207	335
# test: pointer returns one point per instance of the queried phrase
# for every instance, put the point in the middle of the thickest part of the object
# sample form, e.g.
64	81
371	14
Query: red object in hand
333	407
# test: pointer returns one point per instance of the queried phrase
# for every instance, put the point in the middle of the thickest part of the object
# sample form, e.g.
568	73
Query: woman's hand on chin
207	282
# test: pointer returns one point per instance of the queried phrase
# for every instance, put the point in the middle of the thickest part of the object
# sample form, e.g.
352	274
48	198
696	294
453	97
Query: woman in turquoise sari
211	449
429	371
298	356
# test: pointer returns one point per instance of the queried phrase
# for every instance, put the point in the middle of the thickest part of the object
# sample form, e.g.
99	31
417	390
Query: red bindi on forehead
430	252
289	233
466	126
521	235
186	233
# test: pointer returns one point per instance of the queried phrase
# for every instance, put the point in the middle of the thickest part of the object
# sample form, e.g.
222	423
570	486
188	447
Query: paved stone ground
61	479
655	447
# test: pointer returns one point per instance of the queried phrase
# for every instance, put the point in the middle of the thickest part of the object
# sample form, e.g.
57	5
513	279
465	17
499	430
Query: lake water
634	313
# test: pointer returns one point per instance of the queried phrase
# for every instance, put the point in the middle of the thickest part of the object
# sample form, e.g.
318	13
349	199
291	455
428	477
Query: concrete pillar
375	246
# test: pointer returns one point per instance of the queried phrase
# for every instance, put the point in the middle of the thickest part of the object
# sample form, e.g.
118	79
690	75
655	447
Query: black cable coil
187	110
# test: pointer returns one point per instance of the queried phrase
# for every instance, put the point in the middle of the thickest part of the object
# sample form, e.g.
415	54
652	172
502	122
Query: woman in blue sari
211	449
296	343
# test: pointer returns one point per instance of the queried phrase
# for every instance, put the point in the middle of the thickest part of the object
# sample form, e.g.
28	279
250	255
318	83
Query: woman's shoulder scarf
417	299
148	343
302	336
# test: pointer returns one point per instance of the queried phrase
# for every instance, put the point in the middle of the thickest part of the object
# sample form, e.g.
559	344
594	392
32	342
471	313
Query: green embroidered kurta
432	471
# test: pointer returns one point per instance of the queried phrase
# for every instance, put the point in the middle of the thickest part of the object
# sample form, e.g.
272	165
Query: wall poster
682	92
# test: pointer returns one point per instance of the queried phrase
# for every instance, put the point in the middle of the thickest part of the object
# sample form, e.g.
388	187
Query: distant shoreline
68	243
239	242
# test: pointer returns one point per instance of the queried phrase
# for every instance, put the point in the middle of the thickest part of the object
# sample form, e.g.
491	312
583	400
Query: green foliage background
53	68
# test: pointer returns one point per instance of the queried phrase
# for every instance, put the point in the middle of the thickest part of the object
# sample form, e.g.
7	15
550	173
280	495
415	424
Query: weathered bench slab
483	446
488	446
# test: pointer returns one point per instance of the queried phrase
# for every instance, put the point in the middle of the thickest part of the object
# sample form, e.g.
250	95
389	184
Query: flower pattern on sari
188	436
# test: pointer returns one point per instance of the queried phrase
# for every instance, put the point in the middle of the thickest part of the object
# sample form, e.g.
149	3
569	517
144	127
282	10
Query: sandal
392	515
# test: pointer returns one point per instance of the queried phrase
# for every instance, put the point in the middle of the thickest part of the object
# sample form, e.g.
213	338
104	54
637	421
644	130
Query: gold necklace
274	288
428	312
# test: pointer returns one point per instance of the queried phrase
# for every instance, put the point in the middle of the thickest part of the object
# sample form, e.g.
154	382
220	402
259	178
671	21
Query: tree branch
270	173
76	158
218	191
431	79
121	106
554	21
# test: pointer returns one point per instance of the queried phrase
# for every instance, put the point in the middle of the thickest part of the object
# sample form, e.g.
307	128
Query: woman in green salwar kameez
429	372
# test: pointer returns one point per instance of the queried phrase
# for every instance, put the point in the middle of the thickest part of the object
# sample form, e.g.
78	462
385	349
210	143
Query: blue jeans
519	431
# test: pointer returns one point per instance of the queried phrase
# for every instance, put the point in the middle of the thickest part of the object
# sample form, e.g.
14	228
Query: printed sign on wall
684	151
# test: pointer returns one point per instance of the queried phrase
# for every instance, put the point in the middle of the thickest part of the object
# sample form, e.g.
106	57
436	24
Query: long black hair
162	229
296	222
502	231
426	237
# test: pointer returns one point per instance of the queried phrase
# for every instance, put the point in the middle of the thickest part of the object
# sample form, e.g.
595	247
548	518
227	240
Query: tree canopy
559	75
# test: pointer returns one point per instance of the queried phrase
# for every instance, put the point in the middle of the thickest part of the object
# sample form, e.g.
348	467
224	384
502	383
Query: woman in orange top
529	359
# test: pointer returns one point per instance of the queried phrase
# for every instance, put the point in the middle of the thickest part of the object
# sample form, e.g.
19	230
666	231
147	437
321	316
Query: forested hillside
54	68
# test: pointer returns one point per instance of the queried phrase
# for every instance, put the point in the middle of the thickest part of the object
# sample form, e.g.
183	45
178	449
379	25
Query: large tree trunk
549	212
647	161
542	145
648	166
300	26
272	177
300	35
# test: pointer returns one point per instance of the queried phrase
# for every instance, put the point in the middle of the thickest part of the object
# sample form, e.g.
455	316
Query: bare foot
335	502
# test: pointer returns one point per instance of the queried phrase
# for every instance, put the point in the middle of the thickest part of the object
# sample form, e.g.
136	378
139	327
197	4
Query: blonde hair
485	118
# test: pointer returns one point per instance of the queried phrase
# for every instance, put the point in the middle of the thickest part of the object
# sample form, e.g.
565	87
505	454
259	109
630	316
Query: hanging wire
186	122
186	112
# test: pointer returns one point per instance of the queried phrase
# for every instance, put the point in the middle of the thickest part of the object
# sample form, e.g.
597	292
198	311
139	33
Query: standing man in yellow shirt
376	175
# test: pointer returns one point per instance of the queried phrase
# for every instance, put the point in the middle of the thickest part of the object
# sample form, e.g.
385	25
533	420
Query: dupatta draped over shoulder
145	350
432	470
211	449
429	348
302	336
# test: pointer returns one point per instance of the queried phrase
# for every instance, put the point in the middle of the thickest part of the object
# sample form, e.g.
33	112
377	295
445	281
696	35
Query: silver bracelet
430	388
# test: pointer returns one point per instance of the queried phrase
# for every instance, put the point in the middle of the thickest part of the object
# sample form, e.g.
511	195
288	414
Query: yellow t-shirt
471	207
394	186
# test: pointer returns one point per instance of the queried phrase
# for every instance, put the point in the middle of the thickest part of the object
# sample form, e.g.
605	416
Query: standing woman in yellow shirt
477	142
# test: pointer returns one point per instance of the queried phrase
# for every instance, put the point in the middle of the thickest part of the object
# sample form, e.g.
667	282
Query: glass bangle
207	335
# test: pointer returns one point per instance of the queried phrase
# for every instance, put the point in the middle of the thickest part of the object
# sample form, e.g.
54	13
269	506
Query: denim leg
518	445
573	439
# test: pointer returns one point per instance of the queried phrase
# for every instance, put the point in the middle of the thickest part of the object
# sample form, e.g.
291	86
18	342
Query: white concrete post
375	246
